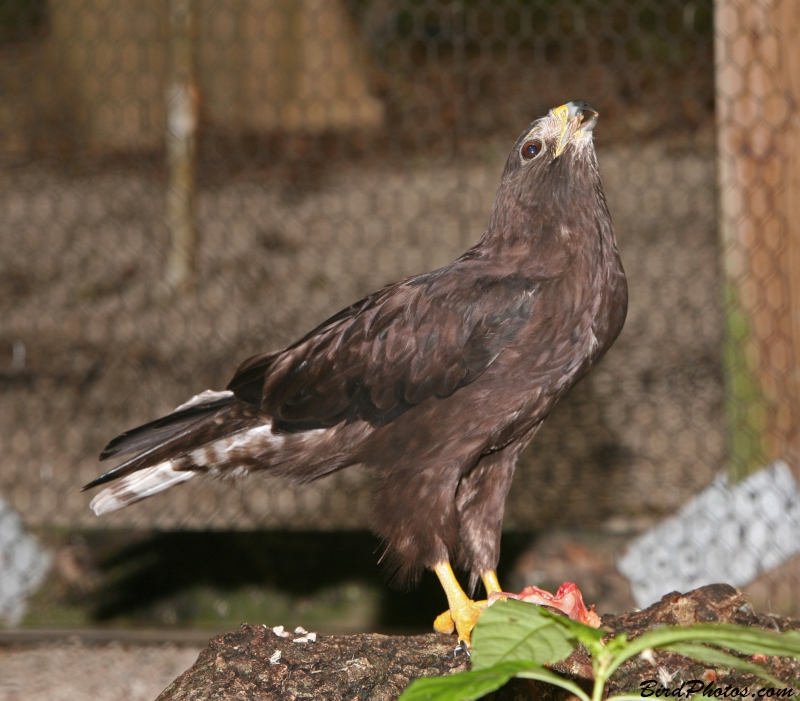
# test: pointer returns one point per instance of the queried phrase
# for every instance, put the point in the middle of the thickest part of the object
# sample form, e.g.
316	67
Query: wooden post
758	125
182	107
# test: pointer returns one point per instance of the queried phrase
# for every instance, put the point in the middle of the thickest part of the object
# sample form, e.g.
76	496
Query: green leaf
750	641
462	687
587	635
472	685
514	630
545	675
710	655
618	643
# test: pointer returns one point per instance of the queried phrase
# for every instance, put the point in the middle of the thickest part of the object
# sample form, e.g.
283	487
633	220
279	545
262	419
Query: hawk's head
551	179
566	127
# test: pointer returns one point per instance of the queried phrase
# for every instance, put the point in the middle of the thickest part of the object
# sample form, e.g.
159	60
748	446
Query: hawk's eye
531	149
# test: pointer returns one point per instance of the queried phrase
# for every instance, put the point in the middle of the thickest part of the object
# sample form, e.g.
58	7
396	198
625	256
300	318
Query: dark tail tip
104	478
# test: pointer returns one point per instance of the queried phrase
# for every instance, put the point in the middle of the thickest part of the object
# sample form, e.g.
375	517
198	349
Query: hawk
435	384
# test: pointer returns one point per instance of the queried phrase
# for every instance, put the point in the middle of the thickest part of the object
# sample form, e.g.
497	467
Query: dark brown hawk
435	383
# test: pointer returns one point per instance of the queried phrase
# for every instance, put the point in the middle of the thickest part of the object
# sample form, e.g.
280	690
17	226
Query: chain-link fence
337	147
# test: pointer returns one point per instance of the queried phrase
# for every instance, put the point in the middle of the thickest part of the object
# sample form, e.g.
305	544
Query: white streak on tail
253	435
138	486
219	458
208	396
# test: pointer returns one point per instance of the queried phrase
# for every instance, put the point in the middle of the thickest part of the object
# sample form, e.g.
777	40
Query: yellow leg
463	613
490	582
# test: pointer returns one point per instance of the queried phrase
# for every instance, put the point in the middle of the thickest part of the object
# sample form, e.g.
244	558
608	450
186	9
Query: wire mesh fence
337	147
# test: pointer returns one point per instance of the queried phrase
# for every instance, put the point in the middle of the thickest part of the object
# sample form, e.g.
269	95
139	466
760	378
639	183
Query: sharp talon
463	646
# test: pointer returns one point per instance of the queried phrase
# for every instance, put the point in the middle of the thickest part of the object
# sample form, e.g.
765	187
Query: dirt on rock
245	665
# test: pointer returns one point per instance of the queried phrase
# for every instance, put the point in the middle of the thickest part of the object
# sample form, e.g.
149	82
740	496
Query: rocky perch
256	664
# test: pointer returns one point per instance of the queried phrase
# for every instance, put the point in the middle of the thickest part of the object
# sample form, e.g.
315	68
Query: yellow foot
464	612
462	619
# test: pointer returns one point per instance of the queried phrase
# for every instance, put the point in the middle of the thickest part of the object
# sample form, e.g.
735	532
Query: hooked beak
577	120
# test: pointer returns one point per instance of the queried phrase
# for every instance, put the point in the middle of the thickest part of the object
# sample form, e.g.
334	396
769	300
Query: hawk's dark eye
530	149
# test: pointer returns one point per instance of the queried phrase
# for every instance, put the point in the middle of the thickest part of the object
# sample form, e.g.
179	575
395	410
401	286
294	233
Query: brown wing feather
420	338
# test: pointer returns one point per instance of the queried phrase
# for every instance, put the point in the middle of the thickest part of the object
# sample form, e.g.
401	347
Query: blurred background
187	183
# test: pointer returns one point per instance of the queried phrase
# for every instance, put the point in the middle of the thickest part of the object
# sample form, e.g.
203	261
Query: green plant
517	639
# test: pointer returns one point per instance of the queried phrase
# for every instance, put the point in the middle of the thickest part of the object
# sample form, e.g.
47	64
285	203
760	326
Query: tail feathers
178	434
161	430
222	437
138	486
